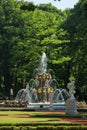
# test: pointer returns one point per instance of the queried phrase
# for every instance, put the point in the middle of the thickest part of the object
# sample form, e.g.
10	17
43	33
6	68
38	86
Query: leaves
61	60
26	31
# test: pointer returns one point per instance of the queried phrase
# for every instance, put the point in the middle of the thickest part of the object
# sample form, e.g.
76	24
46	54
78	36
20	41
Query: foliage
26	31
76	25
46	127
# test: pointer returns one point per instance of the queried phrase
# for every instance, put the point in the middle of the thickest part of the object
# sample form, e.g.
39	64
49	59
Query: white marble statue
71	101
70	86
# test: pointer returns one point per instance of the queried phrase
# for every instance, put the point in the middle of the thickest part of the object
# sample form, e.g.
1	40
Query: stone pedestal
71	107
51	100
51	107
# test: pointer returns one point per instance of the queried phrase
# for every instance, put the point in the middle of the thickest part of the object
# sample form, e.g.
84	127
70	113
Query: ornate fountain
43	92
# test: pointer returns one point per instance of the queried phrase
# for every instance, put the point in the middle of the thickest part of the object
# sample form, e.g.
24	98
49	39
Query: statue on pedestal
71	101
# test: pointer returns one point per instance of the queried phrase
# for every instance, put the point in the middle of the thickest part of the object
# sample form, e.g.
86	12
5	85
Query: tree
28	6
76	25
9	29
25	35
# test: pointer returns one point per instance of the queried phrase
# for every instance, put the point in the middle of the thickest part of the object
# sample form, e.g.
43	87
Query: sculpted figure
70	86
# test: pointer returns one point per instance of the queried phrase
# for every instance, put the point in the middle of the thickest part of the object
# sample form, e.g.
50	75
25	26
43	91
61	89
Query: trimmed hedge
43	128
58	115
41	124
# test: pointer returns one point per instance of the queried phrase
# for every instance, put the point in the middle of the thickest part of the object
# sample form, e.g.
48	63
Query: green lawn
26	120
17	117
26	117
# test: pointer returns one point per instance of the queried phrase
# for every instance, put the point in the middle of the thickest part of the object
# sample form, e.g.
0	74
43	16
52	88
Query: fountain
43	92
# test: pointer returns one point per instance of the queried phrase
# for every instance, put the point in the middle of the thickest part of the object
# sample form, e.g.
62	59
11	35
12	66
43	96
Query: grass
59	115
17	117
25	117
15	120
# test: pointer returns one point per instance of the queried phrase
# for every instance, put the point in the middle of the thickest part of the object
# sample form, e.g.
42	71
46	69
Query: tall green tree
76	25
10	21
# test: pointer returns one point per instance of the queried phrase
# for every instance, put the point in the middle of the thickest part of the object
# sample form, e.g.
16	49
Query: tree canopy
28	30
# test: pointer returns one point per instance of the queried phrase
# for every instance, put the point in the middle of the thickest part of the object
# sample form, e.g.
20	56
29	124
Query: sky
62	4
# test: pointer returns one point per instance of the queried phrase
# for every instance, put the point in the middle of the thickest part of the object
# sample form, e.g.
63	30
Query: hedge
43	128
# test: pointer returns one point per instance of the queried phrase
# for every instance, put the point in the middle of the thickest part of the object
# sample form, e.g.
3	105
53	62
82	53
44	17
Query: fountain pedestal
51	100
71	106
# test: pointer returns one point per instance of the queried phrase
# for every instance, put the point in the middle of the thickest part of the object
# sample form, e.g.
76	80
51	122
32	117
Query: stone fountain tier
47	106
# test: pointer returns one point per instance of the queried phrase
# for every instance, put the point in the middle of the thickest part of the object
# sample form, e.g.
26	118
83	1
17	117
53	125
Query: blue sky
62	4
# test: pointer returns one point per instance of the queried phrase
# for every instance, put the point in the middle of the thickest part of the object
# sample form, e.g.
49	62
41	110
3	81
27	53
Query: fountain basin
47	106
